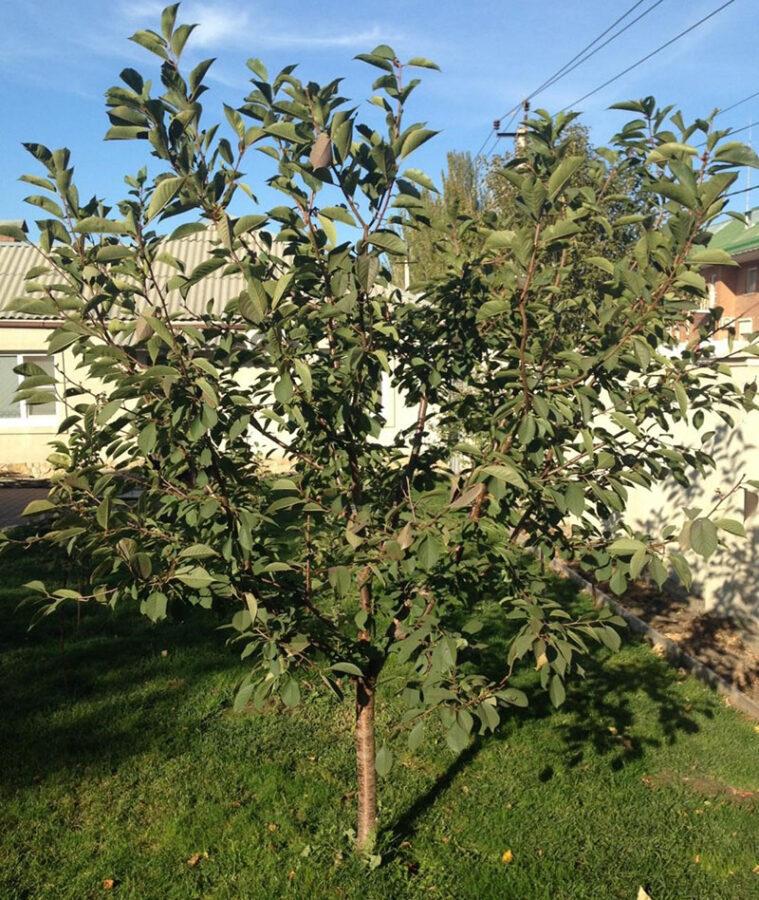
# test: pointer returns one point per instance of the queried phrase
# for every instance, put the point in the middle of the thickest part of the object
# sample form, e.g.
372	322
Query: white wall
729	581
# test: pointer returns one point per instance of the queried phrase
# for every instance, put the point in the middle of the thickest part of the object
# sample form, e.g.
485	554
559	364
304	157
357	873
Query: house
736	288
26	431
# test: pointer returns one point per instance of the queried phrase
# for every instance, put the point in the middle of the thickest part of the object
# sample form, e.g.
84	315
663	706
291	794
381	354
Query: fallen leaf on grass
643	894
109	884
195	859
507	857
755	870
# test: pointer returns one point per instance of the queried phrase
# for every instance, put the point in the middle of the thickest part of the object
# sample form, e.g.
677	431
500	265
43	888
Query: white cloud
221	24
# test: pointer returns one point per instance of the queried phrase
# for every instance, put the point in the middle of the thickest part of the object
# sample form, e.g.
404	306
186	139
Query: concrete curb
673	653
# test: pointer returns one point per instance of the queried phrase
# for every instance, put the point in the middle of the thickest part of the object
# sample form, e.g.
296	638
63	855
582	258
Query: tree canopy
542	362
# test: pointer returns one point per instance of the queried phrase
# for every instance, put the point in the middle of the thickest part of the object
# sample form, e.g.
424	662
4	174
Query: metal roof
16	259
735	238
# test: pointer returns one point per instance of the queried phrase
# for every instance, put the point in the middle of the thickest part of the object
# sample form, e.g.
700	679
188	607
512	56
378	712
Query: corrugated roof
17	259
735	238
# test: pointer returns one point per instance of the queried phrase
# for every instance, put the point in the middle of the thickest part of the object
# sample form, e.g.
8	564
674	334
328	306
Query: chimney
16	223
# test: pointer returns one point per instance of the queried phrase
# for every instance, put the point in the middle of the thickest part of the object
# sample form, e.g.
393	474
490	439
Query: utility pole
520	134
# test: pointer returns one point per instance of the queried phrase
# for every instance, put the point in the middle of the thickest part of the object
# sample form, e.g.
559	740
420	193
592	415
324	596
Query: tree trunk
366	772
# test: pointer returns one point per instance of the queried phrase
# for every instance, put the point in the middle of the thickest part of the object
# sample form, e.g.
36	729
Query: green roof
734	237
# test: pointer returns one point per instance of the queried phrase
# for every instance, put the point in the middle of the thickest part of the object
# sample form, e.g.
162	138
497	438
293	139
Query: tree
462	195
559	369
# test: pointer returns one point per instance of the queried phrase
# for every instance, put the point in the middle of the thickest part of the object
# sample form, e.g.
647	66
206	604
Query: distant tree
462	195
565	391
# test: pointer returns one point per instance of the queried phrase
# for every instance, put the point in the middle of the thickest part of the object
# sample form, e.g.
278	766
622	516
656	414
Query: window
710	301
752	280
15	413
745	327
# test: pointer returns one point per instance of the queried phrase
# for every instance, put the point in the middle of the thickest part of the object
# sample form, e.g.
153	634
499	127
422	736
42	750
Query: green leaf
429	549
329	229
738	154
99	225
197	551
151	41
60	339
165	191
682	397
383	761
258	68
416	736
422	63
574	497
47	204
703	537
108	411
711	256
113	253
456	738
37	506
563	173
289	691
347	668
513	697
626	546
168	18
196	578
506	474
284	130
126	133
389	241
155	606
556	691
498	240
638	562
415	139
103	513
421	178
601	262
732	526
492	308
147	439
283	388
338	214
303	372
37	586
14	232
560	231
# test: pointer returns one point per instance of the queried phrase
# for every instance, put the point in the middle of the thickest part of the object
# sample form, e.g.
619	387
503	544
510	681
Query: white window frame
740	327
25	419
752	271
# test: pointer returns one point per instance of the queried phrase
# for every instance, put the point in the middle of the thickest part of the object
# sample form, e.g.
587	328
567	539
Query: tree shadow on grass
95	693
627	706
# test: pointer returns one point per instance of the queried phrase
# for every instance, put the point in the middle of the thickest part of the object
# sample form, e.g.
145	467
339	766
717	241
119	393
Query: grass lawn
122	760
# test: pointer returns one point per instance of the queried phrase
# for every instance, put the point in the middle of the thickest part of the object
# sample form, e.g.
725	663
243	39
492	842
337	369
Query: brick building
736	288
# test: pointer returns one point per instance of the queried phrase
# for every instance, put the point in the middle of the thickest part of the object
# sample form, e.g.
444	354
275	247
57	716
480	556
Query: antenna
748	168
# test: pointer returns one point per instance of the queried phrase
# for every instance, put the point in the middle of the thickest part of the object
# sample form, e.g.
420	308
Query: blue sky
57	58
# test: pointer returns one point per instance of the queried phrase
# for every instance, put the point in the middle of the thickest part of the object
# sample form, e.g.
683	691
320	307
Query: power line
648	56
742	191
578	59
738	103
730	133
